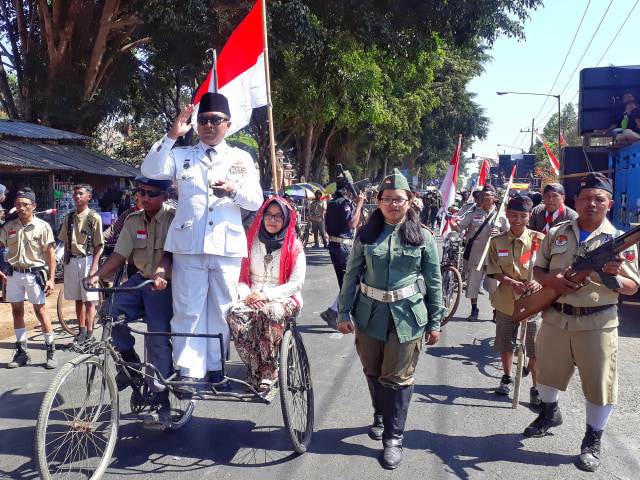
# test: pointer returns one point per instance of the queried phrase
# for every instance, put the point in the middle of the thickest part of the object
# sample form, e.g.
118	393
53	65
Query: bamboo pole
272	147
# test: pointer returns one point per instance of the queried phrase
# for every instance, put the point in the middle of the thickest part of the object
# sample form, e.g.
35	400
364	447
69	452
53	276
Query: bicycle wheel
296	391
181	410
304	233
77	426
451	291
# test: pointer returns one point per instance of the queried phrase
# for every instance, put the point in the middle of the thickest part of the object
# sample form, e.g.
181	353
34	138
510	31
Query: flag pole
272	141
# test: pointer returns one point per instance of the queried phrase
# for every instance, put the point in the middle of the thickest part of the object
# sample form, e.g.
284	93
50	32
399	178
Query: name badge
238	170
12	234
503	253
142	234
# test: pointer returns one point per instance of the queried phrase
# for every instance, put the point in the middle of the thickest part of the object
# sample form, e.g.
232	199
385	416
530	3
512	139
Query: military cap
214	102
489	188
395	181
161	184
26	193
596	180
521	203
554	187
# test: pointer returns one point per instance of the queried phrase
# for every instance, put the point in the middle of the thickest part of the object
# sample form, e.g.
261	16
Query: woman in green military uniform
393	291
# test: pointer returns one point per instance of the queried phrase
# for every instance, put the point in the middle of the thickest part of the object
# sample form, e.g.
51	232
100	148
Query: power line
618	32
565	59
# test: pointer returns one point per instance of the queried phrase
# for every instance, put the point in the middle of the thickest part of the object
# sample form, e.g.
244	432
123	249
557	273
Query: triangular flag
240	69
555	166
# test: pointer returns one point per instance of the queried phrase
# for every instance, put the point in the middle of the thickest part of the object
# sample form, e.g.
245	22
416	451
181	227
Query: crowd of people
209	277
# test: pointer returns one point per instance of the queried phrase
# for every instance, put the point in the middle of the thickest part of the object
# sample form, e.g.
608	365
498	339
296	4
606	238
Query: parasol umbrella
299	191
312	186
331	188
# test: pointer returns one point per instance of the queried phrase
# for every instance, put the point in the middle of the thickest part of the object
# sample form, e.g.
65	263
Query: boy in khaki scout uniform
143	236
581	328
30	242
506	266
81	233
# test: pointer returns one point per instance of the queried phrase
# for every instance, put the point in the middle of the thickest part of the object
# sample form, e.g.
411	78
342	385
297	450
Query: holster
467	249
41	278
67	257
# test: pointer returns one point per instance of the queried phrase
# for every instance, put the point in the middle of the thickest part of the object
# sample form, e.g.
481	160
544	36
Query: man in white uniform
207	239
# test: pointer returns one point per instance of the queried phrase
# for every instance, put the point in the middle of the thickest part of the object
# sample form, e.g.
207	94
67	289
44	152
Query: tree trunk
307	149
6	97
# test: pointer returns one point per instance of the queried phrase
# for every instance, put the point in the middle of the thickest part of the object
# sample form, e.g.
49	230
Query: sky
532	66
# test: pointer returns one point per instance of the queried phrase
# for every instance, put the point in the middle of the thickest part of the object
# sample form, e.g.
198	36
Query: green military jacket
388	265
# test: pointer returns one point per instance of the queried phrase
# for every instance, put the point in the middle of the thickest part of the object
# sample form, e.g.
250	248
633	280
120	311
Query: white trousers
204	288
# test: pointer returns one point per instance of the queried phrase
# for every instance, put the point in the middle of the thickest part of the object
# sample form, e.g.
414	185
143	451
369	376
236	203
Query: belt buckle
576	311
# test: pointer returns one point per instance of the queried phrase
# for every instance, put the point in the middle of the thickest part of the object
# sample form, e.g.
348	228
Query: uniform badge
630	255
561	240
142	234
13	234
503	253
477	219
238	169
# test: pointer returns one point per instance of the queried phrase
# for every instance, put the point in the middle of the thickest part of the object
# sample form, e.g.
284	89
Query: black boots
550	416
21	357
394	413
474	312
376	389
52	361
589	459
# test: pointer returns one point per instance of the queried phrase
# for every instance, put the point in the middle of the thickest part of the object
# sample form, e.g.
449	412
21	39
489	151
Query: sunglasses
214	120
151	193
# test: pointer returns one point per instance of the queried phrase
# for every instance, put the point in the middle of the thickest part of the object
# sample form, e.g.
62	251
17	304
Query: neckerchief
552	217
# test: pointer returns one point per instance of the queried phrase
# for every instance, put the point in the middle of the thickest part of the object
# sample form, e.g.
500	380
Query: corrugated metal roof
32	130
61	157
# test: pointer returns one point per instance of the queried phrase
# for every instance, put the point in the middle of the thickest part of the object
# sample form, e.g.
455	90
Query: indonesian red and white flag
241	73
483	176
448	188
555	166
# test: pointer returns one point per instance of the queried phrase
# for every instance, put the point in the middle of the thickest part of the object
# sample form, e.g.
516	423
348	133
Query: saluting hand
182	125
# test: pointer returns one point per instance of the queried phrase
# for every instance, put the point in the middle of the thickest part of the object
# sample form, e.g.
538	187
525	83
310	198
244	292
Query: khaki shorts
23	286
474	279
507	333
594	352
74	272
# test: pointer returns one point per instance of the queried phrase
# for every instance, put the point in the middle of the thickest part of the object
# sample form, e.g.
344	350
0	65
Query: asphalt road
457	427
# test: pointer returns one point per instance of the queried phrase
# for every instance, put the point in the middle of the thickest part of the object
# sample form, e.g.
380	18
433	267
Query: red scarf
551	217
290	248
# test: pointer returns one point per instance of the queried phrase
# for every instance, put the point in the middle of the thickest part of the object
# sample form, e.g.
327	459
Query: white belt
388	296
347	241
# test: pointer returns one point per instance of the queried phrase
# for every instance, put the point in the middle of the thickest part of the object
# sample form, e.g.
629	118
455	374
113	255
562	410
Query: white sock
48	338
334	307
598	416
548	394
21	334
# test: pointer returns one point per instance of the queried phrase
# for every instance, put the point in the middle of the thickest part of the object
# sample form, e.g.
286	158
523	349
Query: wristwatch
233	194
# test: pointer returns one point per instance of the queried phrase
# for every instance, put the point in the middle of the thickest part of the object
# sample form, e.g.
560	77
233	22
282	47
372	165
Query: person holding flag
509	263
206	238
553	211
478	227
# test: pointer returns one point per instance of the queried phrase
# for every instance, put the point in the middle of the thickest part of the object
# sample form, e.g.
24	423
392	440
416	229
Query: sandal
265	385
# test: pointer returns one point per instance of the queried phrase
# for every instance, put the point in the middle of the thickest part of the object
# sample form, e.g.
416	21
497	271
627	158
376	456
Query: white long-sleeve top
205	223
266	278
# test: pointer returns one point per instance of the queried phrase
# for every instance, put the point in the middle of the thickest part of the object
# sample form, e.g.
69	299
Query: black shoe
330	317
534	397
549	417
589	459
21	357
52	361
80	338
474	314
525	371
376	390
216	377
506	384
160	417
376	430
190	389
392	454
395	408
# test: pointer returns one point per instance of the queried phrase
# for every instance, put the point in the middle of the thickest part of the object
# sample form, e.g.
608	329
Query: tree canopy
368	83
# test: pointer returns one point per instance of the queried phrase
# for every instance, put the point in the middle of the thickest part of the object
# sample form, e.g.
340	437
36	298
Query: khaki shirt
504	255
471	223
317	209
558	251
145	239
27	244
80	234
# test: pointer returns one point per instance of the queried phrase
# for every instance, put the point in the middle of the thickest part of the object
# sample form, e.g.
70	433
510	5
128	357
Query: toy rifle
496	219
350	186
523	329
578	273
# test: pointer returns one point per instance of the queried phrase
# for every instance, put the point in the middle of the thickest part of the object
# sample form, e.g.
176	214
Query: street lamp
561	160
